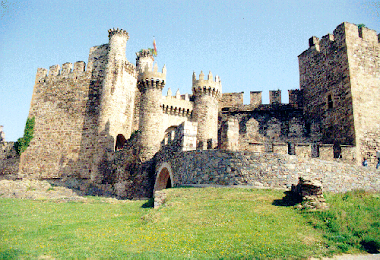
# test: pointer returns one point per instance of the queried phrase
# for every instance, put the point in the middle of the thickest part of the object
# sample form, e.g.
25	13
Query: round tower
144	58
207	93
117	96
118	91
150	84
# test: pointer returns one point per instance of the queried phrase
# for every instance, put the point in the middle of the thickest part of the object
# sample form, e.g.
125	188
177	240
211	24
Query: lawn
194	223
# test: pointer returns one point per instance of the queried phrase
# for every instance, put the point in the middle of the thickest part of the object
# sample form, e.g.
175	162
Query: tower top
207	86
144	53
117	31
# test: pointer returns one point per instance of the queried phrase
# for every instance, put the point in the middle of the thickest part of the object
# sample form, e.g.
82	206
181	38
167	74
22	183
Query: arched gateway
164	177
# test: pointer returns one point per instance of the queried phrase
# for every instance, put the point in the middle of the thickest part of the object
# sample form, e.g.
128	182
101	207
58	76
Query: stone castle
108	123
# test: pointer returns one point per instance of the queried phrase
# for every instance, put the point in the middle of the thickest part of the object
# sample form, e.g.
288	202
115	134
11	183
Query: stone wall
267	123
325	81
264	170
65	105
9	159
231	100
363	50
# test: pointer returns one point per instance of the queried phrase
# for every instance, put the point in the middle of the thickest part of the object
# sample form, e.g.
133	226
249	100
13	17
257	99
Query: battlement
235	100
130	69
149	74
144	53
117	31
343	33
177	105
66	71
208	86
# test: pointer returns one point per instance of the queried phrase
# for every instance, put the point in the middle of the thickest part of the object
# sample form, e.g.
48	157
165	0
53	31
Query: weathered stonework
108	125
9	159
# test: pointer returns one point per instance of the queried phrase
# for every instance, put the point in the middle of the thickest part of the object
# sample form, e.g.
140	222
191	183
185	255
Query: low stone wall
9	159
264	170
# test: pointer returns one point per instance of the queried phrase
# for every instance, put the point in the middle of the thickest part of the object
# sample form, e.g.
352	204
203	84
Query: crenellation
54	70
66	69
110	124
207	87
255	99
368	35
152	73
274	97
79	67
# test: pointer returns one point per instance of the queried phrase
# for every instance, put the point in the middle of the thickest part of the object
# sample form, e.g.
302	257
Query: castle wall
265	124
363	49
268	170
231	100
325	82
65	105
9	159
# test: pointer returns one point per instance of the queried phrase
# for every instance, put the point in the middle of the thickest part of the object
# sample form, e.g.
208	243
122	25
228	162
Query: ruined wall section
65	106
325	82
363	50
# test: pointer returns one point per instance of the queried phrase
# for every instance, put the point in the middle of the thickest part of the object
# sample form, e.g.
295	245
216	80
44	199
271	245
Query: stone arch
164	177
120	141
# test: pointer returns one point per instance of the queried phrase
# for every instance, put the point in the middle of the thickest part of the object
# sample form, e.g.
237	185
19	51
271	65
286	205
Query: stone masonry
107	122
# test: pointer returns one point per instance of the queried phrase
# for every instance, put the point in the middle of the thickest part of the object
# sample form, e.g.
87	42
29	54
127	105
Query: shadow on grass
370	245
289	200
148	204
10	254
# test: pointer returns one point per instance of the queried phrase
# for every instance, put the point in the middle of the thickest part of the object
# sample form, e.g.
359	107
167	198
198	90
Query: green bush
22	143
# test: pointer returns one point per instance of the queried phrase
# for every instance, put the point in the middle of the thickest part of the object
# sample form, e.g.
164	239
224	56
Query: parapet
117	31
343	33
207	87
144	58
296	98
66	71
149	74
178	105
255	98
274	97
231	100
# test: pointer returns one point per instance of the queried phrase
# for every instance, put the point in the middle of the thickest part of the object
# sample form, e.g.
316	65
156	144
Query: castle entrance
164	178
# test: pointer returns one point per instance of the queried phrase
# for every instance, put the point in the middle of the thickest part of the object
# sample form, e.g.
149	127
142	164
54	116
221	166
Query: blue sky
251	45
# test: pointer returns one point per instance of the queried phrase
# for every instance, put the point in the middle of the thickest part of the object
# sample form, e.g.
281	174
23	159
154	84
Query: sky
252	45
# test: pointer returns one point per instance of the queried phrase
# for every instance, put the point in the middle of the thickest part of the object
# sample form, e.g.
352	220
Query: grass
209	223
352	223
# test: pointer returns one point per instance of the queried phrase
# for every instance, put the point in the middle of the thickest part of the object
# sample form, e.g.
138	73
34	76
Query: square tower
340	80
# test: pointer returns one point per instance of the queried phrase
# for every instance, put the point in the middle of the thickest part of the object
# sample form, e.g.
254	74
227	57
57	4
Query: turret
150	84
117	94
207	93
144	58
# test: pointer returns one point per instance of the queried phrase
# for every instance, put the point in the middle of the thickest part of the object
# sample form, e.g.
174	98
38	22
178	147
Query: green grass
208	223
352	223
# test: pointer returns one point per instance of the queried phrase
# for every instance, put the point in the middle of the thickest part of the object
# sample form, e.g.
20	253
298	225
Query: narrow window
330	103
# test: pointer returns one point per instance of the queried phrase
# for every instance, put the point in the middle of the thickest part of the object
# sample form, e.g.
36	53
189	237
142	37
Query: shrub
22	143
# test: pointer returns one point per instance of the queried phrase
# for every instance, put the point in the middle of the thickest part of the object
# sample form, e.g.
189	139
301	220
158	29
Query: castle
108	118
